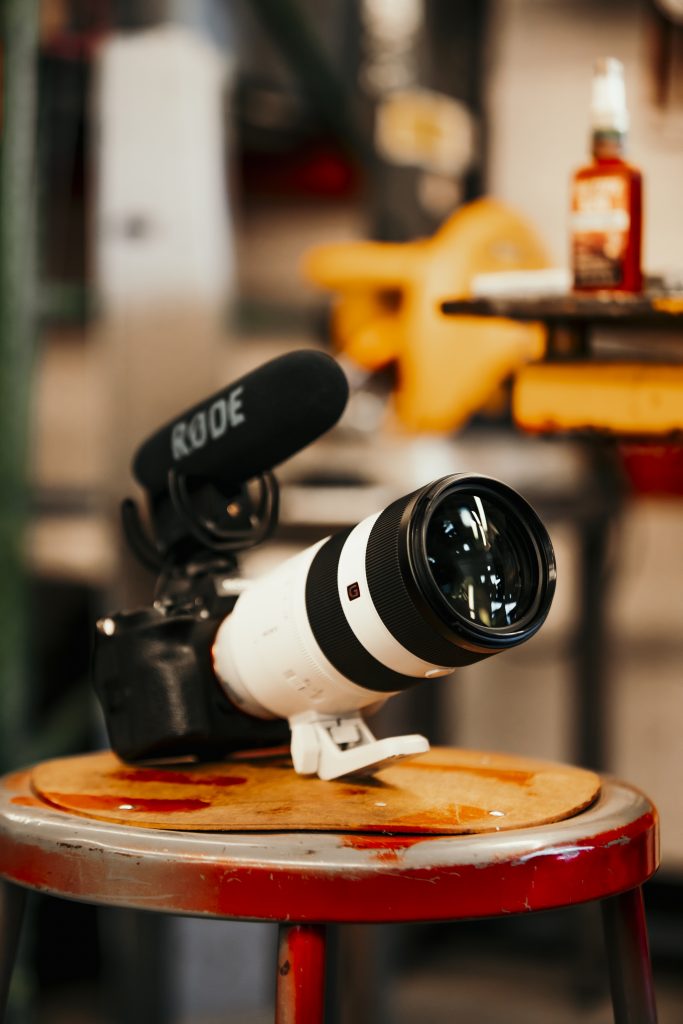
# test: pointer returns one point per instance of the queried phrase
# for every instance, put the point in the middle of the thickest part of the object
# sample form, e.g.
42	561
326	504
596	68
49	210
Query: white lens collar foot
335	745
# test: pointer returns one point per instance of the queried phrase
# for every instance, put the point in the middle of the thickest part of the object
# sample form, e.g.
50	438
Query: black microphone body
248	427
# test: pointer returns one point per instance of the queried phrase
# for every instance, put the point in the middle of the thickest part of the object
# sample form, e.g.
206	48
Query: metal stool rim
312	876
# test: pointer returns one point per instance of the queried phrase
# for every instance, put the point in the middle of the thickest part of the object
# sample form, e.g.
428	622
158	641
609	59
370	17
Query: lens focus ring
331	629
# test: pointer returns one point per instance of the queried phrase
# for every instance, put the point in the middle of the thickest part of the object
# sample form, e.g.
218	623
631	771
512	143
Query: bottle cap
608	100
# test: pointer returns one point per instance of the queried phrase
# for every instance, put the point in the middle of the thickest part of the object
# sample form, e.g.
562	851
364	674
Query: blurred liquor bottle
606	195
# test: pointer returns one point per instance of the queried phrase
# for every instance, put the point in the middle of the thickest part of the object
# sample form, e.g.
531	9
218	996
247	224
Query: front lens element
480	560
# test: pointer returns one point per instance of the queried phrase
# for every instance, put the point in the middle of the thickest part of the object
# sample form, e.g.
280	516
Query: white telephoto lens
452	573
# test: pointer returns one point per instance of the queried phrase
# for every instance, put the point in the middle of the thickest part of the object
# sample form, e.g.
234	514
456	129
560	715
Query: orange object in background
387	309
625	399
606	196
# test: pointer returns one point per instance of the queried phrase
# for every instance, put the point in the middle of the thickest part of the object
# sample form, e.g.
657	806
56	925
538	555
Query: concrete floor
501	994
472	987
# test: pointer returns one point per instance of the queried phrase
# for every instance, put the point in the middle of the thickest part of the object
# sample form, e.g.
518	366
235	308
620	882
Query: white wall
541	57
163	227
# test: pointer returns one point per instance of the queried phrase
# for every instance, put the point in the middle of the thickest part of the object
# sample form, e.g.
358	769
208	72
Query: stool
306	879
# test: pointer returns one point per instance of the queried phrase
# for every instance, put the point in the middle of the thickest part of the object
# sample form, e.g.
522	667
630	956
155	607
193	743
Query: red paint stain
387	856
27	801
375	842
102	802
354	791
451	817
386	849
174	778
514	775
17	780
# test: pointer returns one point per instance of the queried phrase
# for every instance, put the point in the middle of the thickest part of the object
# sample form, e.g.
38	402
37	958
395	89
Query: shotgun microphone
196	468
249	427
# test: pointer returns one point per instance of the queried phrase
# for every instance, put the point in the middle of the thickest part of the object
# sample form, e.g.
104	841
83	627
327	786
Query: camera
451	573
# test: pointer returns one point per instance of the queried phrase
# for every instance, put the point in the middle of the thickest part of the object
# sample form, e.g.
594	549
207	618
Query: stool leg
300	994
12	902
628	956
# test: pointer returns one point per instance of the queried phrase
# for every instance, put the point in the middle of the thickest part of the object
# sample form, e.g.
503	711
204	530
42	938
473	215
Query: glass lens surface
480	559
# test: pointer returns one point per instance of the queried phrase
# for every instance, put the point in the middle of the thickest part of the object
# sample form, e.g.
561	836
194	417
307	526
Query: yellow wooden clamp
387	309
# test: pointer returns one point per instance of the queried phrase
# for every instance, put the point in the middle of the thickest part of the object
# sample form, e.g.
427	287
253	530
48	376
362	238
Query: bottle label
600	222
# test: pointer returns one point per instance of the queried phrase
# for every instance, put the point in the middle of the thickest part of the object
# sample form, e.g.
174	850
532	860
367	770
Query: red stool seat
305	879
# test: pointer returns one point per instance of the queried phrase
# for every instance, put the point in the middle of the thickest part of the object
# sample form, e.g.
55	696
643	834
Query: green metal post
17	342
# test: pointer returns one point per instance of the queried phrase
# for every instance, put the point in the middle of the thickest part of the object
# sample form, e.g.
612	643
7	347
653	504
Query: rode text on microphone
207	424
454	572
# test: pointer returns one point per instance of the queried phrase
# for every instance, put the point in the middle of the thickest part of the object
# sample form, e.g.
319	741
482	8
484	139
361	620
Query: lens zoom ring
391	597
332	631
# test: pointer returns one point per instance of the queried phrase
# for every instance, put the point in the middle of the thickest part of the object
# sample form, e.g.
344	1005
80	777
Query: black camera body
154	676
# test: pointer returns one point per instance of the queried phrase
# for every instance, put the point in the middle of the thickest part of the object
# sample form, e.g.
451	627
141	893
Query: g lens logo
207	424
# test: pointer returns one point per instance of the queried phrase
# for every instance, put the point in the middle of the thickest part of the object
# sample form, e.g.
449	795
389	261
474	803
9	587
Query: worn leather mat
445	791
